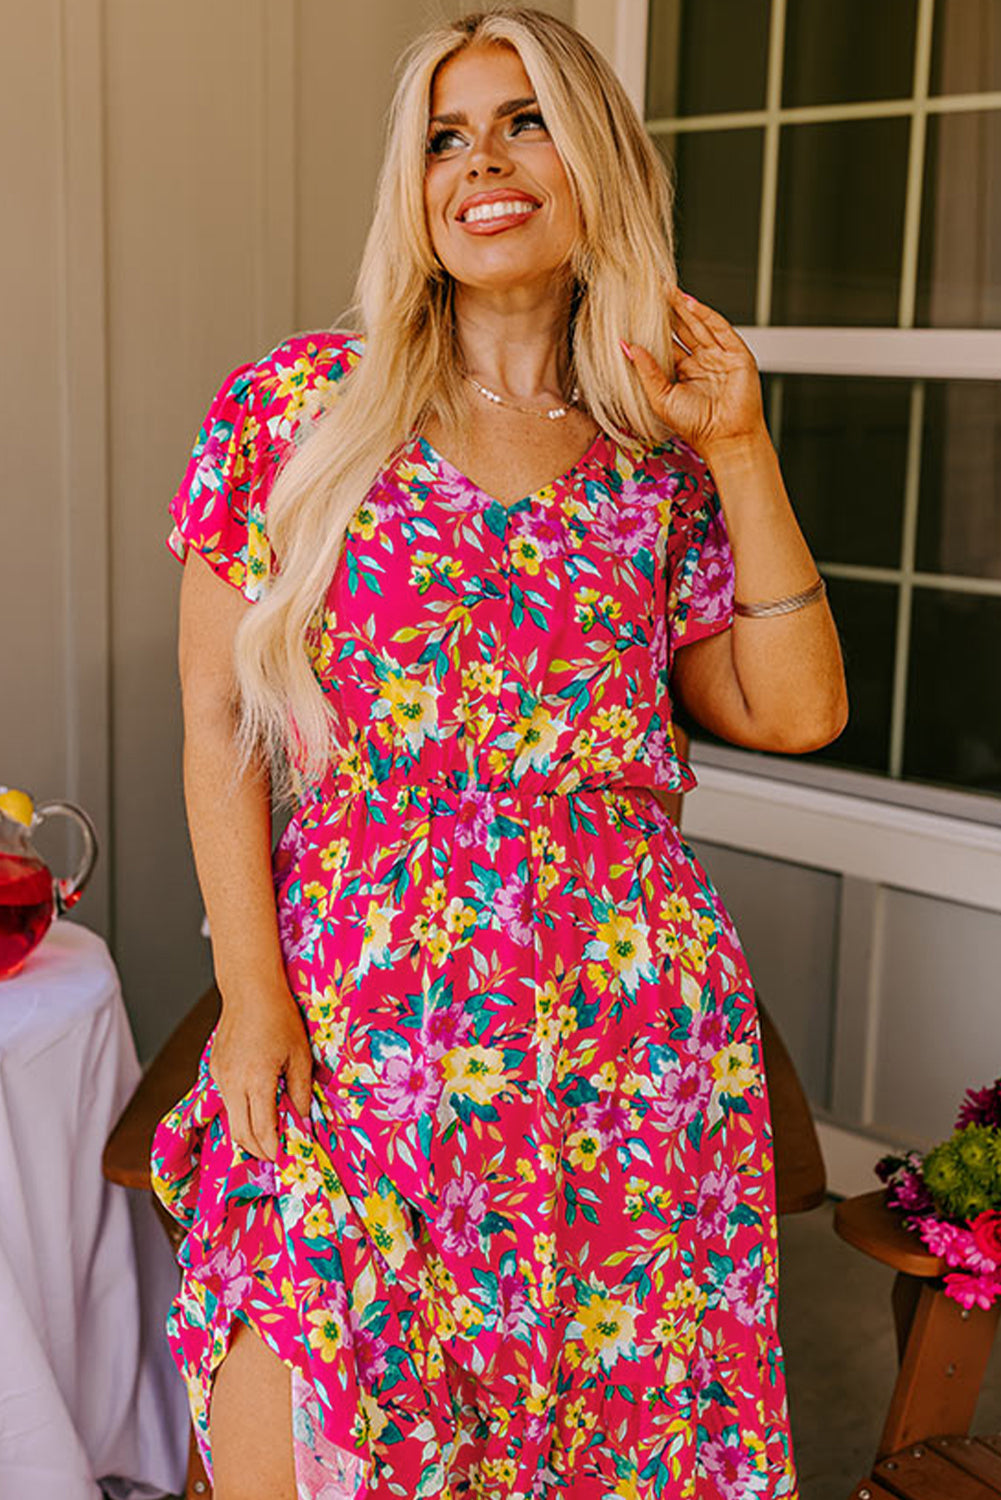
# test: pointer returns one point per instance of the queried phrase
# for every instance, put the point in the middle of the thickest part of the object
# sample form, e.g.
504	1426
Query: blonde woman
478	1168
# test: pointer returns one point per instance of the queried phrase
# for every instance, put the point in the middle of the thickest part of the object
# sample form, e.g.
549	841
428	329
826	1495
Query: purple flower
460	1209
613	1122
409	1086
729	1466
512	1303
445	1029
719	1194
370	1356
229	1267
747	1293
981	1107
981	1291
512	909
474	815
685	1091
712	585
627	525
708	1034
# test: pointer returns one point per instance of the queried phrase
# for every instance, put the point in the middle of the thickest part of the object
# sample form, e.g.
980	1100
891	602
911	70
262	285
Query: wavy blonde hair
619	266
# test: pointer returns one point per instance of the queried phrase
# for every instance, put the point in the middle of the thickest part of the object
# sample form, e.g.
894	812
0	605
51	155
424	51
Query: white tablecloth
88	1391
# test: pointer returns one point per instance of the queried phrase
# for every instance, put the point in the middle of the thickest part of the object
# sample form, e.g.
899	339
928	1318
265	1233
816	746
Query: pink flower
460	1209
512	908
709	1033
685	1091
613	1122
474	815
445	1029
719	1194
409	1086
729	1466
712	585
229	1267
980	1291
986	1228
981	1106
628	524
747	1293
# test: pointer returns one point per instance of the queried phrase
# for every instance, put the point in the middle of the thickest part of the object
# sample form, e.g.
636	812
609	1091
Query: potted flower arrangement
951	1198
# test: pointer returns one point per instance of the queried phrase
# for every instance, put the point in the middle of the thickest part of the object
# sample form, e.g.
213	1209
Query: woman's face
499	206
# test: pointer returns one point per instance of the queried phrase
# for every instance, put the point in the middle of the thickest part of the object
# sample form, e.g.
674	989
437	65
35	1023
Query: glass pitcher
30	895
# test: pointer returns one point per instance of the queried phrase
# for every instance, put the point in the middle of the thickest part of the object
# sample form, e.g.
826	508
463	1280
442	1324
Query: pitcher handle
67	891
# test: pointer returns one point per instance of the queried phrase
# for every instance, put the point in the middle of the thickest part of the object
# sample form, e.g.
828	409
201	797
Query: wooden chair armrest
800	1174
171	1073
866	1222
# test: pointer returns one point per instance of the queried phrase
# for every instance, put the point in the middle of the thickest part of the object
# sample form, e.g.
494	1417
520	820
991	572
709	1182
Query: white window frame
938	841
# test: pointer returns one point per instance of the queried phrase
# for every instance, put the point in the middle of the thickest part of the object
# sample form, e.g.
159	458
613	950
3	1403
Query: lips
492	208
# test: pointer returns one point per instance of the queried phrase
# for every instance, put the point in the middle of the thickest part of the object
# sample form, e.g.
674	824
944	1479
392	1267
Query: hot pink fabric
525	1243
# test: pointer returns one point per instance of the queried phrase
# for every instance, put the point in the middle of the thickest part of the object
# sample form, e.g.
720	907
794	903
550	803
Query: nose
487	157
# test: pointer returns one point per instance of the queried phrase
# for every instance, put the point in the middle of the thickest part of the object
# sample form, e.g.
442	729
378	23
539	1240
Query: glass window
966	47
866	616
953	703
959	513
959	260
843	449
839	222
706	58
848	51
717	205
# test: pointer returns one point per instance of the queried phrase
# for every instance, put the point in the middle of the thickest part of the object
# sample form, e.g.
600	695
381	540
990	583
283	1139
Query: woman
477	1171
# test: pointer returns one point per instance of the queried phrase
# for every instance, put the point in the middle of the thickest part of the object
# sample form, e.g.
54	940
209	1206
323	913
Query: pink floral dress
525	1243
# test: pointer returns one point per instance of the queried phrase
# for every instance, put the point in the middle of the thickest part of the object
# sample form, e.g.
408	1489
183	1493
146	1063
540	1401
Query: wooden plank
876	1230
919	1473
971	1454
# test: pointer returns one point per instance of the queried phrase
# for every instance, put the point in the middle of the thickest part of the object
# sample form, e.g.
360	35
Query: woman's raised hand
257	1041
714	402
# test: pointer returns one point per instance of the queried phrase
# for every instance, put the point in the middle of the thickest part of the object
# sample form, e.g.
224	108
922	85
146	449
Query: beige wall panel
33	721
185	94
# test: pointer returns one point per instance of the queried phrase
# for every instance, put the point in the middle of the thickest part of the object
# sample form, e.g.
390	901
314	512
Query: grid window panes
837	166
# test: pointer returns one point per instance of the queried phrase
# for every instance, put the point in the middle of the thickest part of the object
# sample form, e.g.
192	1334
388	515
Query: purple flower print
298	928
613	1122
513	910
512	1304
460	1209
685	1091
747	1293
712	584
730	1467
709	1034
473	817
658	750
538	527
627	525
370	1356
719	1194
230	1269
445	1029
409	1086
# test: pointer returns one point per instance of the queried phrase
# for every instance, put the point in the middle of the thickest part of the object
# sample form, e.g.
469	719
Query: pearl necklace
553	413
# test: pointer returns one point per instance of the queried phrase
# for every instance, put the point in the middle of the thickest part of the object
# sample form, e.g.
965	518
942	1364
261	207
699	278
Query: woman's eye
441	141
535	121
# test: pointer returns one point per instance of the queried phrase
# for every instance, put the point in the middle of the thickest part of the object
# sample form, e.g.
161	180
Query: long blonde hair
621	264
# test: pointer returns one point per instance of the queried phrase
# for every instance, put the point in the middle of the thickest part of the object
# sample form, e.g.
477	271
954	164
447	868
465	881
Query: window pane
959	513
717	231
866	617
953	730
843	449
959	260
966	47
848	51
839	222
706	56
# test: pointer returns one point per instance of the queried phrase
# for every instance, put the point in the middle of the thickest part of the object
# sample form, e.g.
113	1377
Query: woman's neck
515	342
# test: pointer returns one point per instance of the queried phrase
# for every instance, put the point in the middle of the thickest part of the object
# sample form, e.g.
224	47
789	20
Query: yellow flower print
566	1019
734	1068
624	947
363	522
439	945
546	996
676	909
371	1419
618	721
548	1156
387	1227
482	677
526	555
608	1327
291	382
301	1179
693	956
258	550
585	1149
524	1169
357	770
475	1073
376	937
412	707
459	917
545	1248
435	896
597	977
334	856
607	1076
535	738
325	1334
420	930
317	1223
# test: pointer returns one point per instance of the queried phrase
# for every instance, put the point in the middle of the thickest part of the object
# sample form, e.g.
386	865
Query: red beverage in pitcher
25	908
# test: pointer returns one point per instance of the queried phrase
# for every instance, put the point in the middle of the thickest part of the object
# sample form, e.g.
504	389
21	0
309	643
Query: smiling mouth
503	211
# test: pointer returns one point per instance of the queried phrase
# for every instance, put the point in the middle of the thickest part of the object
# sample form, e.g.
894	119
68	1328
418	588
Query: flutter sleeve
219	506
700	562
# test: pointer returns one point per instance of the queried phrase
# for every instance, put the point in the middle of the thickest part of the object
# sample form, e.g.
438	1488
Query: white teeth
497	210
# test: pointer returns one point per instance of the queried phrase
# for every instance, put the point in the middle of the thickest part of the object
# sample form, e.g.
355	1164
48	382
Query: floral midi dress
525	1243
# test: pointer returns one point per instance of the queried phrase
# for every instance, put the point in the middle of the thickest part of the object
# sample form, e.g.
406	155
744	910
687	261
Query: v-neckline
600	439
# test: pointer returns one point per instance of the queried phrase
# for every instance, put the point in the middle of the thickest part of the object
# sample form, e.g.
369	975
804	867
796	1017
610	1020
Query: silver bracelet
783	606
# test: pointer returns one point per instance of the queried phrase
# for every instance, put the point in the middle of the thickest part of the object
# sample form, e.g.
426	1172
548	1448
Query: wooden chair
799	1166
925	1451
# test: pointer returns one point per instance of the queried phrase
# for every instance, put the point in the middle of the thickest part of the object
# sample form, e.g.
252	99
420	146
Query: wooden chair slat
921	1473
866	1222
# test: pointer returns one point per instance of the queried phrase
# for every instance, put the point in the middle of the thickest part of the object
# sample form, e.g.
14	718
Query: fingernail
690	300
625	349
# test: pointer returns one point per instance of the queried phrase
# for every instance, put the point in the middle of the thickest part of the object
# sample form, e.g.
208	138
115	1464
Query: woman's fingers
241	1129
263	1103
654	381
299	1078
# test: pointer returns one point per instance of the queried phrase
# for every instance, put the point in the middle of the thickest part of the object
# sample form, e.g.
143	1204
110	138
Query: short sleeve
700	562
219	506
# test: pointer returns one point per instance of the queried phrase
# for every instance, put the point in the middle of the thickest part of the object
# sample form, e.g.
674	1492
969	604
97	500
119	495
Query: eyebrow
510	107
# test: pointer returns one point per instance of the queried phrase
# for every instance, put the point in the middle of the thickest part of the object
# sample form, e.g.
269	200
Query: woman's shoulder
295	378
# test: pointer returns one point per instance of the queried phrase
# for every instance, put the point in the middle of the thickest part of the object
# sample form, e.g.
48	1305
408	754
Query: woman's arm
773	683
261	1033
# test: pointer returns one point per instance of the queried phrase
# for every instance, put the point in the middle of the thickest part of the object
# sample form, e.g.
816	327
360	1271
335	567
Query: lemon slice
17	805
